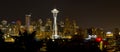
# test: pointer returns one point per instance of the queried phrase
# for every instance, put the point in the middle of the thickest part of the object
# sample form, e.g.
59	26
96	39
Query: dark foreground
28	43
50	45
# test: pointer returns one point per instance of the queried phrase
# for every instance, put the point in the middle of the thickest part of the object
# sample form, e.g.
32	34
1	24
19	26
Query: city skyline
87	13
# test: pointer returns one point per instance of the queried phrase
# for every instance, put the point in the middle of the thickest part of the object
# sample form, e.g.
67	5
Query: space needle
55	30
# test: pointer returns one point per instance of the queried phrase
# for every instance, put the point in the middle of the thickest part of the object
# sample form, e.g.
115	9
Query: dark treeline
25	42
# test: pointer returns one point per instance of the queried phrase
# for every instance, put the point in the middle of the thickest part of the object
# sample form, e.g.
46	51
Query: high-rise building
18	24
67	27
4	26
27	21
48	25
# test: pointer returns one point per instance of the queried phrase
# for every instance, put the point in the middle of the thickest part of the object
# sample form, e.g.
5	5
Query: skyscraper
27	21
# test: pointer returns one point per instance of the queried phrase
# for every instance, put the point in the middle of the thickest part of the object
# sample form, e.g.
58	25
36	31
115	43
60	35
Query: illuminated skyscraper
4	26
27	20
18	24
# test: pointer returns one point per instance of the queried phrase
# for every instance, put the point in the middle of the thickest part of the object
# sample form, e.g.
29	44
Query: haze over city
87	13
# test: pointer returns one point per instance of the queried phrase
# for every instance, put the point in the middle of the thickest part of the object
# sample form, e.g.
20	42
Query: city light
109	34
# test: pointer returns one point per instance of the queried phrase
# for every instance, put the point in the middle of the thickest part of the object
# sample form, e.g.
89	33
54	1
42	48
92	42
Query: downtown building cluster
66	29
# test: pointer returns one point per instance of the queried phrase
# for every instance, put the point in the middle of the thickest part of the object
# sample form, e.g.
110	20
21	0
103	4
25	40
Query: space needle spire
55	30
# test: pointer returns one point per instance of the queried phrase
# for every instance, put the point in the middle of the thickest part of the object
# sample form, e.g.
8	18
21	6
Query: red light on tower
98	39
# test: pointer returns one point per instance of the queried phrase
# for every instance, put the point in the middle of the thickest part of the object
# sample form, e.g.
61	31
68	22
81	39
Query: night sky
87	13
